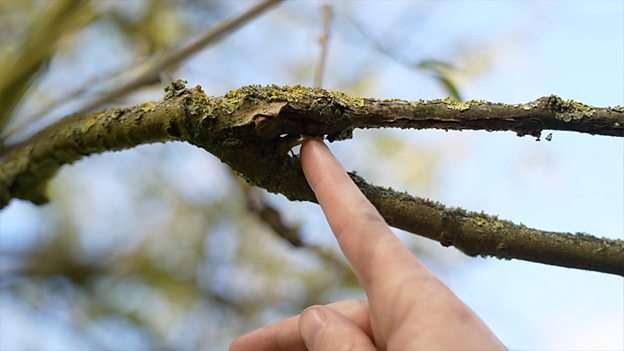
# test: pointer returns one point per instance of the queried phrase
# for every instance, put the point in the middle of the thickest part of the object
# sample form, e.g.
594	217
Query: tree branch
269	215
272	218
252	129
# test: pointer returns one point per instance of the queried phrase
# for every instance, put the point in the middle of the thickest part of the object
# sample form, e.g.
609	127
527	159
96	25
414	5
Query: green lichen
175	88
453	104
291	94
225	126
567	110
488	222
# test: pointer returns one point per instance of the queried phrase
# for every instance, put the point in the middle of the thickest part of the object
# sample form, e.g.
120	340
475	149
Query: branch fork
249	129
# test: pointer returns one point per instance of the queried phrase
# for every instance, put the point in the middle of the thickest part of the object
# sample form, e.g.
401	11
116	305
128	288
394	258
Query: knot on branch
282	110
451	226
566	110
175	89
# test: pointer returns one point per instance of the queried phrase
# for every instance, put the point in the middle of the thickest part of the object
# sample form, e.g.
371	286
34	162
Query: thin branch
252	128
18	69
271	217
326	17
379	46
45	108
440	70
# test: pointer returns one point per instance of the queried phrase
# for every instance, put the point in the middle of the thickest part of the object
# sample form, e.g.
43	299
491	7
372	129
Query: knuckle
334	342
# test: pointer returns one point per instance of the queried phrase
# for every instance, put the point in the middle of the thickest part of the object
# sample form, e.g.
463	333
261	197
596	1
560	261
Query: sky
573	183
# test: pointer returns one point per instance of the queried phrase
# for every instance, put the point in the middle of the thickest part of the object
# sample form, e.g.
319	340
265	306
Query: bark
253	128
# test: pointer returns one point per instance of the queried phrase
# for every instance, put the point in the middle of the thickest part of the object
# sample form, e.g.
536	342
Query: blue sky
573	183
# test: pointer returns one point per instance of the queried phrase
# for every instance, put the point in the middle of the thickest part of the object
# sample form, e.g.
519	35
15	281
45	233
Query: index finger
375	253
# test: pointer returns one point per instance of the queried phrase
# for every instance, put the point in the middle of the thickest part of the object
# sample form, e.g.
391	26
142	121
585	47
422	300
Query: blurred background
161	247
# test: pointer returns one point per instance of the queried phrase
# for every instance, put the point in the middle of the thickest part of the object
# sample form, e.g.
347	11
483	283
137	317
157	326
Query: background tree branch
326	19
159	63
19	67
253	128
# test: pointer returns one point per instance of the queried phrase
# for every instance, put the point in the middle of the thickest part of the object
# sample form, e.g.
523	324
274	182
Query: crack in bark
251	129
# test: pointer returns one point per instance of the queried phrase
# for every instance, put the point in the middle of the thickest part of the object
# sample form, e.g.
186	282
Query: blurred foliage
158	27
442	71
150	28
156	248
19	65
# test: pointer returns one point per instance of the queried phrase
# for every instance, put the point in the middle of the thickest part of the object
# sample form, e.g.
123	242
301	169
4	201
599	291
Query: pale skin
407	307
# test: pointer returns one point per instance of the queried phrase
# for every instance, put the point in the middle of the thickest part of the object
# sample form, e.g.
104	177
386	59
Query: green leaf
449	85
435	65
441	72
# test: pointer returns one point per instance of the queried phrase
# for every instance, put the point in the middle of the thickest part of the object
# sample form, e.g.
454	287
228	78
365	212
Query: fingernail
311	322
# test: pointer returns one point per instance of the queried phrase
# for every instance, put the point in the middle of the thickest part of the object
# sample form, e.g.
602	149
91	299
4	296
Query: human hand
408	308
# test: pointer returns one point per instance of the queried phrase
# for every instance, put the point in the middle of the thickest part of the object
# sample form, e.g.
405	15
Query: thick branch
336	114
252	129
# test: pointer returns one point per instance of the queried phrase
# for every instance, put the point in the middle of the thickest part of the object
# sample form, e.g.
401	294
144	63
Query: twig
380	47
85	87
326	14
19	69
439	69
271	216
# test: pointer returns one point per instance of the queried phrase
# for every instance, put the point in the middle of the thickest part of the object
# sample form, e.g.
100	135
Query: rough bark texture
252	129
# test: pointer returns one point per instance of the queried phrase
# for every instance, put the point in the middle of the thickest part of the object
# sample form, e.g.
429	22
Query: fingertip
310	150
241	343
313	141
315	158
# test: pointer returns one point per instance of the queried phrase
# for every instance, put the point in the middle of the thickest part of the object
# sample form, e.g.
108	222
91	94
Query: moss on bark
251	129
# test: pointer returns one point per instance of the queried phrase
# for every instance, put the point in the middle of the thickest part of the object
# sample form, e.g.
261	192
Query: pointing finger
374	251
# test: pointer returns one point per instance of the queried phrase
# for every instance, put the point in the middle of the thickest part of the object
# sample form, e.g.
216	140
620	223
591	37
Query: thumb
324	329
